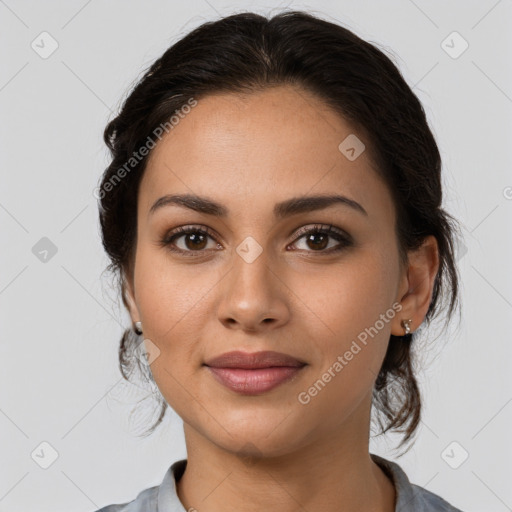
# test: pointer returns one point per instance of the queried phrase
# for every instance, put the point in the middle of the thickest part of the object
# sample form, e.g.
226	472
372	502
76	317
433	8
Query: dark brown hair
249	52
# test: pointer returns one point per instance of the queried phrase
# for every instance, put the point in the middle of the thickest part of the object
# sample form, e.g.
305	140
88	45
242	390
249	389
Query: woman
273	212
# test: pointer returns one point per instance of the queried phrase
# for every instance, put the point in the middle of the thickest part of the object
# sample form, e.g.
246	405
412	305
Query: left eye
318	236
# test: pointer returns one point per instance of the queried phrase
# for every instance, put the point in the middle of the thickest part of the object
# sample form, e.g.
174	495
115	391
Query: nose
254	297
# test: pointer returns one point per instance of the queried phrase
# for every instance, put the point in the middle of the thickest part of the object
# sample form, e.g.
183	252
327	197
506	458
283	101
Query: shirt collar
407	498
168	500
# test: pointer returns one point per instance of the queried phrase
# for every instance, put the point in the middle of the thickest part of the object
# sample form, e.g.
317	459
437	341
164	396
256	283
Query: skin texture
270	452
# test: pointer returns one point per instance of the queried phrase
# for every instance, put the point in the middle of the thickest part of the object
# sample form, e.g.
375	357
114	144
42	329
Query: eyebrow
293	206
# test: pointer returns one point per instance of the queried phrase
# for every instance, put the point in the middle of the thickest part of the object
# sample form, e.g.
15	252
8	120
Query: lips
256	373
255	360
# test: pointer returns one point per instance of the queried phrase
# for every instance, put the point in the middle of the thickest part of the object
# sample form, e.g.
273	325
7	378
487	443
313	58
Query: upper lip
254	360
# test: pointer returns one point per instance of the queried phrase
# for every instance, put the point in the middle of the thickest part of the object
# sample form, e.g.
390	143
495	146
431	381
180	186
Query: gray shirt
163	497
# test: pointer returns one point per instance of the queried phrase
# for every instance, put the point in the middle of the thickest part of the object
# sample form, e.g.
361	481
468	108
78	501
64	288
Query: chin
258	439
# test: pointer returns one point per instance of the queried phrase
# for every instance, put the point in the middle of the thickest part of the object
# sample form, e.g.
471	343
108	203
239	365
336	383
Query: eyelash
345	240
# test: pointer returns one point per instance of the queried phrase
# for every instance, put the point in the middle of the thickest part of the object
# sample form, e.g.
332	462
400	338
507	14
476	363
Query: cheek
170	296
352	306
173	303
351	296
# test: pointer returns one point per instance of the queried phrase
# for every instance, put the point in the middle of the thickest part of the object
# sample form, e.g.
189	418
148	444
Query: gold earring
406	324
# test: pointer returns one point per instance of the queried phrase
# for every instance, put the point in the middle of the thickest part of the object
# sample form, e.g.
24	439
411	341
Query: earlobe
420	277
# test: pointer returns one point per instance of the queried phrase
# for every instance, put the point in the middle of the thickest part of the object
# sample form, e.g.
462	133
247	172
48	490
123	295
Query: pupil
196	239
323	243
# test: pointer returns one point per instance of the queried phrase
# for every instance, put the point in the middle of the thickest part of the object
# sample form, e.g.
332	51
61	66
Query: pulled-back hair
248	52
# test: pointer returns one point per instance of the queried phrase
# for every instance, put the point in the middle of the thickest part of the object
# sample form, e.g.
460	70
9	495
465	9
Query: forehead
261	148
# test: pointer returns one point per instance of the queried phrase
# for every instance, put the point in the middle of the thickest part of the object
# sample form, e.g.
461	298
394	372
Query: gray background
60	319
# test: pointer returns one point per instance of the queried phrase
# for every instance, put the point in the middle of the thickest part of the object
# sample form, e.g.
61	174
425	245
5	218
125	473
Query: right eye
195	240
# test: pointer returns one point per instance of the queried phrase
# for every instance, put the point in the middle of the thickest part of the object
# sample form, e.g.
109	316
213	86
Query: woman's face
255	282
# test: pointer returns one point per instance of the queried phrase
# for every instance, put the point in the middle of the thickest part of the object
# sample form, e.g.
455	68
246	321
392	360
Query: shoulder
412	497
146	501
158	497
432	502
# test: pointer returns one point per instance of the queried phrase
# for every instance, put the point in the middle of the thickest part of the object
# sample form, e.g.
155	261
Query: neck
326	475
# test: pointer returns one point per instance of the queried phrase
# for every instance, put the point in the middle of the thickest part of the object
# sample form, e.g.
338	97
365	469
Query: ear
129	299
417	285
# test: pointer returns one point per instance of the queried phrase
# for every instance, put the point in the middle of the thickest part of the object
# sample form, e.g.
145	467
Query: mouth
254	373
255	360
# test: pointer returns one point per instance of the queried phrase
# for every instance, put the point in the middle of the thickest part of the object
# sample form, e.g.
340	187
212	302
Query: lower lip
254	382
